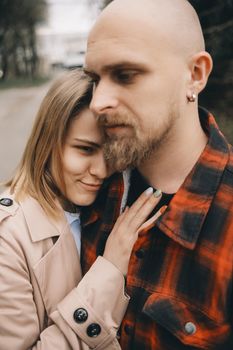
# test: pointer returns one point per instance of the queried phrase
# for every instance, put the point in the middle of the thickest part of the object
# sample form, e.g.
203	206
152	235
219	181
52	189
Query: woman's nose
99	166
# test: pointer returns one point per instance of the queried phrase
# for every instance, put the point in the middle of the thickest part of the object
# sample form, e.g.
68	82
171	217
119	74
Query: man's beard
122	152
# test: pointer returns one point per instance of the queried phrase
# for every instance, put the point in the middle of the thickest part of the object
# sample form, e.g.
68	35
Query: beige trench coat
41	285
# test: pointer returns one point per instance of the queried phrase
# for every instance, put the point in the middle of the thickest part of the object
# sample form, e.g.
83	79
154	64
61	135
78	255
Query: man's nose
104	97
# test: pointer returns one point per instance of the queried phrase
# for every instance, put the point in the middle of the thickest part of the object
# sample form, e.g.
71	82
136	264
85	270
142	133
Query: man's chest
179	297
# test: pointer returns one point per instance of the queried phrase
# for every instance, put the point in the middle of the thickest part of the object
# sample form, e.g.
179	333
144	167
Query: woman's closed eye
85	149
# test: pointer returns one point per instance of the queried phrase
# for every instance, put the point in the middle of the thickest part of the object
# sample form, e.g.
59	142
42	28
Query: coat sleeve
100	294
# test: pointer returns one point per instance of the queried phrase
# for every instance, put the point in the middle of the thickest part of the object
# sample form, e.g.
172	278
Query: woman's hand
124	234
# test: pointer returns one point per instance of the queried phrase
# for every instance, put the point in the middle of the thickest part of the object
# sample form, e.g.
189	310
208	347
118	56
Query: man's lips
115	125
115	128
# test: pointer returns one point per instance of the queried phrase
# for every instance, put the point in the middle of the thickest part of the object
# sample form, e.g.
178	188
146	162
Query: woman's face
83	164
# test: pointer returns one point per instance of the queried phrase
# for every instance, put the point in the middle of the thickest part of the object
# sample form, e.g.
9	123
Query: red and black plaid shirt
180	271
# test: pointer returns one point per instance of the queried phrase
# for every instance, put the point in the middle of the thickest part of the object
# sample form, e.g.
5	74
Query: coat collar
58	271
56	263
39	224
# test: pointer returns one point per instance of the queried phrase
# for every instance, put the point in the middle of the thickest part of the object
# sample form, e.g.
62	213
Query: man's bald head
171	21
147	61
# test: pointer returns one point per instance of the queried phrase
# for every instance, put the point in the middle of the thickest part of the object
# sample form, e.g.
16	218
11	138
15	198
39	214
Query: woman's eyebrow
86	141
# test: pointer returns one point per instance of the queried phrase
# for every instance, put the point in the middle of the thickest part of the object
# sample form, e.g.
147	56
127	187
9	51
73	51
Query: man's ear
200	67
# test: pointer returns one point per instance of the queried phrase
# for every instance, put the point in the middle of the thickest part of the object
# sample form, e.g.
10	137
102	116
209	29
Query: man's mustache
105	120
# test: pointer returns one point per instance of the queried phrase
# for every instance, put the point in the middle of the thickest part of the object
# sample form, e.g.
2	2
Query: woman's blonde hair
39	172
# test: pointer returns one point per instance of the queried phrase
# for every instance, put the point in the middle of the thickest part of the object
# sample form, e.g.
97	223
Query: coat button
7	202
128	329
140	253
190	328
93	330
80	315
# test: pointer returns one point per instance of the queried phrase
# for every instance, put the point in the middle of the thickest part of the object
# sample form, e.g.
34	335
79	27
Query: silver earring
192	98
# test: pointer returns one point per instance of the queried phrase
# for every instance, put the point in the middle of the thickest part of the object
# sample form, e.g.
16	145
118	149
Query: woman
45	303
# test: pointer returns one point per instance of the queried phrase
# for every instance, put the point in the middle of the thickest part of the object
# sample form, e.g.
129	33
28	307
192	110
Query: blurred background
39	39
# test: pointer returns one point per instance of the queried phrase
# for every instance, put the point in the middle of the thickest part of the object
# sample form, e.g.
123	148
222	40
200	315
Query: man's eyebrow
116	66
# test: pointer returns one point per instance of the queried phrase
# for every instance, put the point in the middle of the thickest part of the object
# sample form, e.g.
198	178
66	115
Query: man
148	63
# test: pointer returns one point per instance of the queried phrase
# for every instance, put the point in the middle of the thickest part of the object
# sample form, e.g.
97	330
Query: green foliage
23	82
216	18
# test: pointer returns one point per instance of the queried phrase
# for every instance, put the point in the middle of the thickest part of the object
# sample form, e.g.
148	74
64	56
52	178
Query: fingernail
149	191
162	209
157	193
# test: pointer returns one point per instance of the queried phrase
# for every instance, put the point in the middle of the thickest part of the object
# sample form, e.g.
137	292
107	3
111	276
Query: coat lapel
58	270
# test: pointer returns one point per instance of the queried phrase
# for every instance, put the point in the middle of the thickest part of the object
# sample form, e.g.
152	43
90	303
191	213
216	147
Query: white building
60	49
62	40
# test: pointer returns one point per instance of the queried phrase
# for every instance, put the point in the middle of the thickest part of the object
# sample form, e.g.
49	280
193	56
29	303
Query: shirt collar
71	217
186	213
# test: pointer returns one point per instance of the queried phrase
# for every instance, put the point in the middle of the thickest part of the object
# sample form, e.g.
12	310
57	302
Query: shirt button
93	330
80	315
128	329
7	202
190	328
140	253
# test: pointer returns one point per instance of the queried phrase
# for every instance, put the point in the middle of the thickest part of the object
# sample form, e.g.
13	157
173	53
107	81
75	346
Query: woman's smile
93	187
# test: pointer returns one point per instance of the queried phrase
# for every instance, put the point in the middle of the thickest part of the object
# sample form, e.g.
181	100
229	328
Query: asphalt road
18	108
